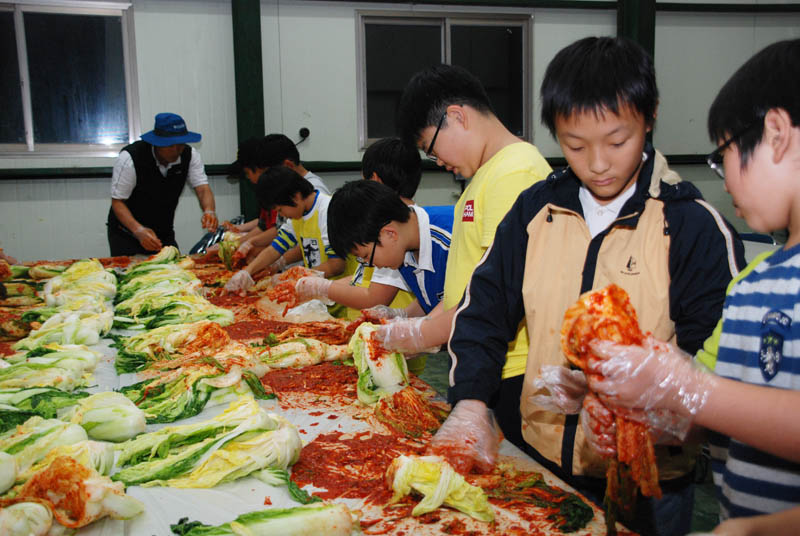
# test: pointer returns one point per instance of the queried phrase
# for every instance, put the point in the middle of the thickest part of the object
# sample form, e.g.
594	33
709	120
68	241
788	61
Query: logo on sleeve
775	326
469	211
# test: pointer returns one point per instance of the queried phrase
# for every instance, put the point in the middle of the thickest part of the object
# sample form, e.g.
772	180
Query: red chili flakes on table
324	379
227	300
315	413
251	329
351	466
121	261
267	501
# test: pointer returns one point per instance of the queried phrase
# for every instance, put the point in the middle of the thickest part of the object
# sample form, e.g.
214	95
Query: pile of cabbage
162	291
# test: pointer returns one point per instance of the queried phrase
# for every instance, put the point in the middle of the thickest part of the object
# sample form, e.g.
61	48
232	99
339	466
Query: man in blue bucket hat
146	183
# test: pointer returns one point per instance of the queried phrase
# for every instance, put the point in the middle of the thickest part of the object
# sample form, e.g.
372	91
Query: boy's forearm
263	260
436	329
293	255
756	415
331	267
777	524
261	238
341	291
414	309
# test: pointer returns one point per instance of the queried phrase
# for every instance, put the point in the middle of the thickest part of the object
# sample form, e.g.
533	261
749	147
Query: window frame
445	19
72	7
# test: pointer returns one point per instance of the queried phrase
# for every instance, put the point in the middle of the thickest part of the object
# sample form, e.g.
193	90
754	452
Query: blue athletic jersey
424	273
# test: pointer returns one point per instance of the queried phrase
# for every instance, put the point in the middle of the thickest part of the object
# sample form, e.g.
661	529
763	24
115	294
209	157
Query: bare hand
209	221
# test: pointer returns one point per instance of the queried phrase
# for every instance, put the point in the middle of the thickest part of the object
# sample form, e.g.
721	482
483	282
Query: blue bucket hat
170	129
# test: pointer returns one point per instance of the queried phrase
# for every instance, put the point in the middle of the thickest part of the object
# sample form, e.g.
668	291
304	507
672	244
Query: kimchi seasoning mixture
229	300
254	329
325	379
351	466
5	349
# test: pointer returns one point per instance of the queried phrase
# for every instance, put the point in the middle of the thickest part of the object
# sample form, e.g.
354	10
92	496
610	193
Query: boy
306	208
370	221
617	214
445	112
387	161
751	404
255	156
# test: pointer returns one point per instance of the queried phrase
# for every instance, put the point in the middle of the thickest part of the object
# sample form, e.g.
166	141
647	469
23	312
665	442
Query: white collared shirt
123	176
598	217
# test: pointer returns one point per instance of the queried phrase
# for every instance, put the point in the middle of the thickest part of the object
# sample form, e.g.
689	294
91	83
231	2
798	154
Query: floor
705	515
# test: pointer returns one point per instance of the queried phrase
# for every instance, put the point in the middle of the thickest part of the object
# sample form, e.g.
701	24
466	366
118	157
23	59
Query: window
66	82
394	47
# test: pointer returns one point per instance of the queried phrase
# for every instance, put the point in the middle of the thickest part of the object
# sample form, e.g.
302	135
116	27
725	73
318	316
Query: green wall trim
636	19
563	4
728	8
249	80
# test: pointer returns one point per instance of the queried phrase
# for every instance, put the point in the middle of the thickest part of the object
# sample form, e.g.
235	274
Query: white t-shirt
598	217
123	176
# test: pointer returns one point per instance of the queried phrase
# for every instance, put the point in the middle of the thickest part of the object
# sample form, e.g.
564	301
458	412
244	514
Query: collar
158	162
425	252
589	203
313	205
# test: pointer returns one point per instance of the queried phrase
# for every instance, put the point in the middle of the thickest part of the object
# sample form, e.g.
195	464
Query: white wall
184	53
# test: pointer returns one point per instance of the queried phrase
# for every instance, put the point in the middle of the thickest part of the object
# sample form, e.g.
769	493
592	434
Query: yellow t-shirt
484	203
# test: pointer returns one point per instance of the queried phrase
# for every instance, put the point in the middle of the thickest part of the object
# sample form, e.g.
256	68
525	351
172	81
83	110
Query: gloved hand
147	238
404	335
244	248
8	258
653	375
383	312
277	266
566	388
240	282
209	220
469	438
599	426
311	287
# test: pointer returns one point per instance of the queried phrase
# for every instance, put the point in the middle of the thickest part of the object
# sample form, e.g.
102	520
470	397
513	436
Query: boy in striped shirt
750	403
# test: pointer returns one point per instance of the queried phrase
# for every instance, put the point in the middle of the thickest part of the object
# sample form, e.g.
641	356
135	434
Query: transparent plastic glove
8	258
278	266
244	248
469	438
403	335
311	287
599	427
566	388
240	282
147	238
655	375
383	312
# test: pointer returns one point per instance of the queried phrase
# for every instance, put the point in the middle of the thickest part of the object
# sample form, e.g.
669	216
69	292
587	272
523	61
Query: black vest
155	197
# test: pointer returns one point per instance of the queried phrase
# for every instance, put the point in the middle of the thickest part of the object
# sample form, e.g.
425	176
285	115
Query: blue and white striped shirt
759	344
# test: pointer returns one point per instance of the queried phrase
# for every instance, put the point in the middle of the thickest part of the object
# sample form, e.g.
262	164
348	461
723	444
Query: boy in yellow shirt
445	112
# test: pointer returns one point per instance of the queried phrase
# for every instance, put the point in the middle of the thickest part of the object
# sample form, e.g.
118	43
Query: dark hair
277	148
768	80
278	186
397	165
596	73
260	153
428	94
359	210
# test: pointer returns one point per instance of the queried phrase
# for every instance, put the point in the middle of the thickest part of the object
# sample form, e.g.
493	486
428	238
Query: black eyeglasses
371	257
429	150
714	158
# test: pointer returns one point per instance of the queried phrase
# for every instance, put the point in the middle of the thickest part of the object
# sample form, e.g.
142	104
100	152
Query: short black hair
359	210
264	152
397	164
250	154
768	80
599	72
278	186
428	94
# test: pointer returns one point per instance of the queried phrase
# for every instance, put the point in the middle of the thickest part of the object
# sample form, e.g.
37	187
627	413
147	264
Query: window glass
77	77
12	124
494	55
394	52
